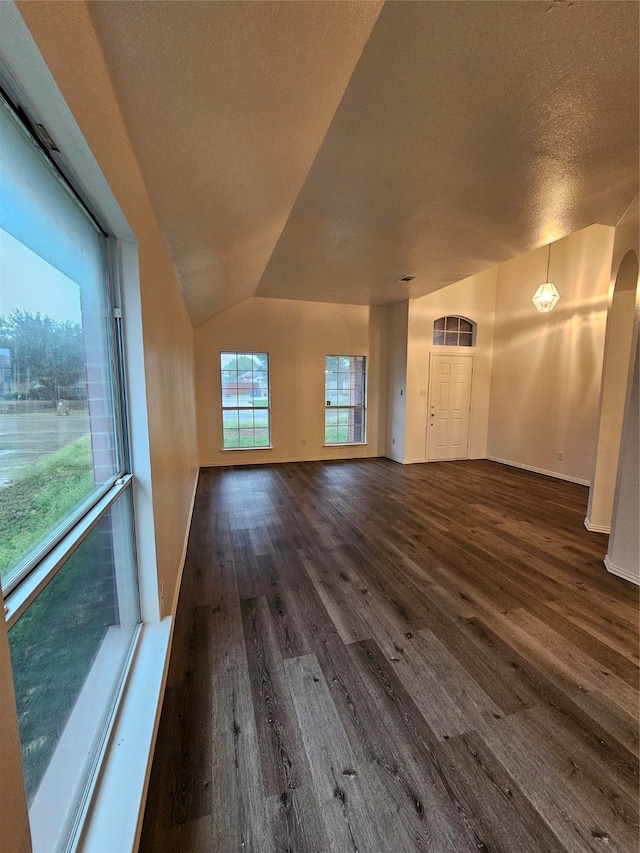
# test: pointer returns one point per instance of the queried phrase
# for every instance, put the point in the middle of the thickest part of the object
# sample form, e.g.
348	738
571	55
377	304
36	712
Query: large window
245	400
66	550
345	386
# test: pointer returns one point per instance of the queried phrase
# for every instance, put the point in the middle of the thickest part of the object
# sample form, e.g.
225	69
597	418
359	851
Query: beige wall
617	356
64	35
397	381
473	298
297	336
545	382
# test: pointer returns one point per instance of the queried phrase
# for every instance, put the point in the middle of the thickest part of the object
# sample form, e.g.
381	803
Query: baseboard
621	573
244	459
546	473
394	458
185	545
596	528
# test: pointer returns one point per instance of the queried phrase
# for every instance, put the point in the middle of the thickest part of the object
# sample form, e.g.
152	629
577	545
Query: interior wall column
615	371
623	557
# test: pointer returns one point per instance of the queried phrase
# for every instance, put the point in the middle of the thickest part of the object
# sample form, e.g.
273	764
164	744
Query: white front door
449	407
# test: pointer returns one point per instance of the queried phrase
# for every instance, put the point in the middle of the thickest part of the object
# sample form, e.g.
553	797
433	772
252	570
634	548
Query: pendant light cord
548	261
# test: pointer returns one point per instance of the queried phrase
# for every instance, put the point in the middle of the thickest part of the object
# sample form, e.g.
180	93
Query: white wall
545	382
473	298
623	557
297	335
65	37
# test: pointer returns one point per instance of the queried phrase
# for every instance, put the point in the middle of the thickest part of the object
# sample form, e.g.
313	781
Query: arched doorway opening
615	371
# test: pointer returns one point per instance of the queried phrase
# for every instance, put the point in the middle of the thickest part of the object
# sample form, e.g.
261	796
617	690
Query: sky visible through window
28	283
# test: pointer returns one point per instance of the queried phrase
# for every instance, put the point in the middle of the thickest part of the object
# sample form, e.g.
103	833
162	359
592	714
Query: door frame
453	353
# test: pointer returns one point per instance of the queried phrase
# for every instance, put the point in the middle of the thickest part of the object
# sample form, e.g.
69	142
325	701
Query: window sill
125	769
61	787
236	449
347	444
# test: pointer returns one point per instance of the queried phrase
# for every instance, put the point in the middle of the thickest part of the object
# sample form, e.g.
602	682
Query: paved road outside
25	438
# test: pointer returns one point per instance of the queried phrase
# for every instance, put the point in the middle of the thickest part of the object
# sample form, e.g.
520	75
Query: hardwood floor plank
282	756
582	806
607	628
348	821
336	599
606	651
191	837
448	696
375	574
237	792
566	661
157	818
184	716
494	799
191	776
461	595
469	602
387	658
409	754
614	732
295	821
291	633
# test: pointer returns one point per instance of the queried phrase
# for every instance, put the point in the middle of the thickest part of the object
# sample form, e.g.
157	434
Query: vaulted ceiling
322	150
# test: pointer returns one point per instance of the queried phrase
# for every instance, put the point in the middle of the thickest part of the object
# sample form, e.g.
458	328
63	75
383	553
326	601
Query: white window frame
125	758
251	409
457	332
69	778
362	408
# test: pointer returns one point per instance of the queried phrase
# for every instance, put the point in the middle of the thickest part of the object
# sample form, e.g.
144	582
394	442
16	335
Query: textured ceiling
321	150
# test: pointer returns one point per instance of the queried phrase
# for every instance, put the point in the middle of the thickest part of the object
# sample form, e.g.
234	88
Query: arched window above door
454	331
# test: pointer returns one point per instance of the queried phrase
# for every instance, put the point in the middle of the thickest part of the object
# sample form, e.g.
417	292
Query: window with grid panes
245	400
453	332
67	560
345	394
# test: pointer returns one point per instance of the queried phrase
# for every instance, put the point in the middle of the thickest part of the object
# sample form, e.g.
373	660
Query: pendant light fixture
546	296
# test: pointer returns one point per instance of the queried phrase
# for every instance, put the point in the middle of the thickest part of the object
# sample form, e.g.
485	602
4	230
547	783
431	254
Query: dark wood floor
386	658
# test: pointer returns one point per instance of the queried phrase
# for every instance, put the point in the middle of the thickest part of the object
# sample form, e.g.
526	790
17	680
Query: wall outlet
560	455
304	443
423	392
393	441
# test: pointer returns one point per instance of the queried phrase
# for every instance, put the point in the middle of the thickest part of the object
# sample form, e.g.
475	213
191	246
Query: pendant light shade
546	296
